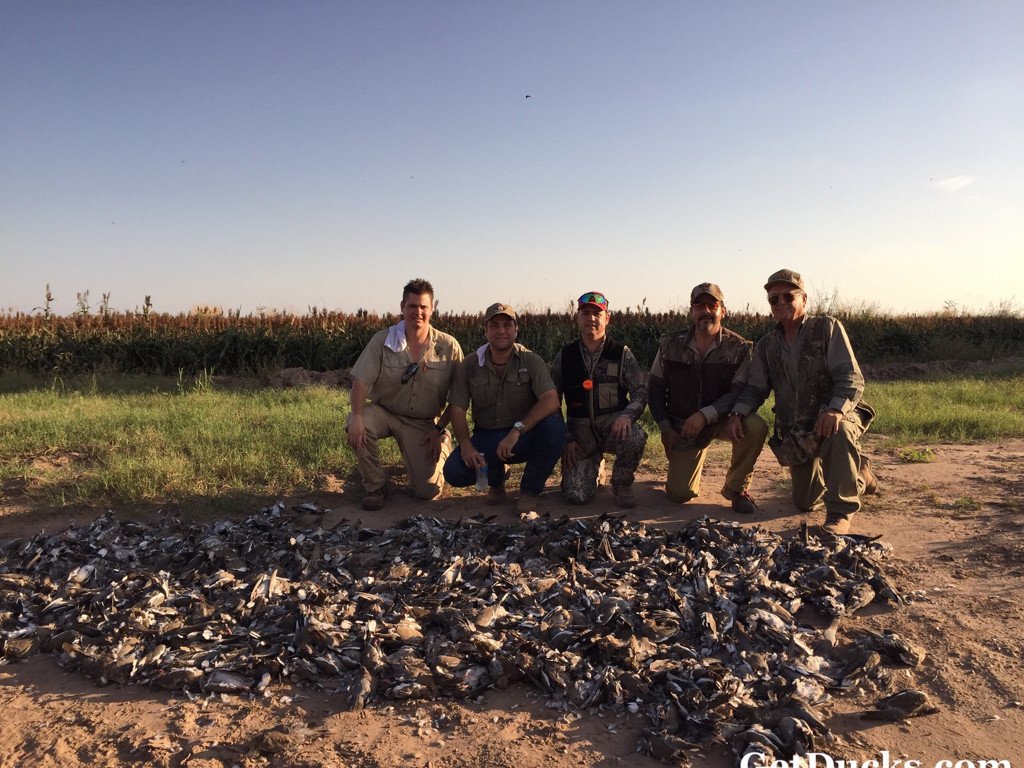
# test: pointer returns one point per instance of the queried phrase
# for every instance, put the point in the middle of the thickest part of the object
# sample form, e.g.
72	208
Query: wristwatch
520	426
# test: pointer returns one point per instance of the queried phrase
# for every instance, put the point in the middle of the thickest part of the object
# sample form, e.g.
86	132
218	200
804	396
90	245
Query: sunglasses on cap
410	372
786	297
594	298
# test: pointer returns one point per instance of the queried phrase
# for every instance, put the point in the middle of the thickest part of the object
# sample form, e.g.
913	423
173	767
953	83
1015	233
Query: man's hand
621	427
356	431
693	425
432	440
569	455
471	457
734	427
828	423
507	444
669	438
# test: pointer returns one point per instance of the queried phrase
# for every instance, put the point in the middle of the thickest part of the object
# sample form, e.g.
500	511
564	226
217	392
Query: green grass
124	440
950	409
89	442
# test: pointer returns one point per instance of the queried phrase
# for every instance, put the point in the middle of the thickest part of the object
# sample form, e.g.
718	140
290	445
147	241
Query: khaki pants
834	474
424	474
685	466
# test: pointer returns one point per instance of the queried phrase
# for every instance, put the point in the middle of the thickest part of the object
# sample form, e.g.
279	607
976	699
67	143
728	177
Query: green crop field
211	342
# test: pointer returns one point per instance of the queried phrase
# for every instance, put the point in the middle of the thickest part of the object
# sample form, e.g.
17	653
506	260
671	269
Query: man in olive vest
605	393
695	379
516	417
807	361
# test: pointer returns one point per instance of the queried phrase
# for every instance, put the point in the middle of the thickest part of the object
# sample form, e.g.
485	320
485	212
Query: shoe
373	500
526	504
624	496
495	495
870	481
836	525
744	504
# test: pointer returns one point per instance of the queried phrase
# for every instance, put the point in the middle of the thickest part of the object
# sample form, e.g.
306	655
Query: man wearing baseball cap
808	362
605	393
516	414
695	379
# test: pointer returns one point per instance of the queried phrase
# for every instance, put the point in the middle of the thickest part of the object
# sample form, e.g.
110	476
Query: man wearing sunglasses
605	393
807	361
695	379
516	414
406	372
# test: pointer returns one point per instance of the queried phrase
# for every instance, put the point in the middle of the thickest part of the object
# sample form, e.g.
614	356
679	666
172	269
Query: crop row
165	344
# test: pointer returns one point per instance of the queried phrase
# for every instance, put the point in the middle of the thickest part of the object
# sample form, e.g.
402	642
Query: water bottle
481	478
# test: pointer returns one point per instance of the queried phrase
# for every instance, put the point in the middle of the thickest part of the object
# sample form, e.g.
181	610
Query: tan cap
499	309
710	289
786	276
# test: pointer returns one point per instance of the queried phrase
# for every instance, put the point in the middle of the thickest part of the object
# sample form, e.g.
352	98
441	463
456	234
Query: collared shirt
847	379
424	396
500	395
713	411
630	375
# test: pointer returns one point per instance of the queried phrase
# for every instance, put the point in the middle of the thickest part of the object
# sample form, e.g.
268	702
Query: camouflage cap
710	289
500	309
786	276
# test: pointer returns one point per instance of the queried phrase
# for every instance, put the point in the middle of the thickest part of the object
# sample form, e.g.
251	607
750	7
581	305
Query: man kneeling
695	380
605	393
516	417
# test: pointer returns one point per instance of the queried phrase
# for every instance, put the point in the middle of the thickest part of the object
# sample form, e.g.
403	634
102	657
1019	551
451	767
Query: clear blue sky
258	154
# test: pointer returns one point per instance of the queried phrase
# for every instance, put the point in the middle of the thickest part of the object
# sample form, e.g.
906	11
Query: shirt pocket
519	394
393	367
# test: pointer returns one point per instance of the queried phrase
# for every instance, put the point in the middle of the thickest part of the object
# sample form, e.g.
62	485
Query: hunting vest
607	396
798	402
692	382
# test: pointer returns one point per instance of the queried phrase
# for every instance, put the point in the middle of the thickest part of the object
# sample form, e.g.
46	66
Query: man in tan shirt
406	371
516	414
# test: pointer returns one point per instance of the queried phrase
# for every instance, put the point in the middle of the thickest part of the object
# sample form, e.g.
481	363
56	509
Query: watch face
519	425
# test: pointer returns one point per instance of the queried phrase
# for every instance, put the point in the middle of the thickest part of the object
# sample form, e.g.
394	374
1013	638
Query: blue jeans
540	448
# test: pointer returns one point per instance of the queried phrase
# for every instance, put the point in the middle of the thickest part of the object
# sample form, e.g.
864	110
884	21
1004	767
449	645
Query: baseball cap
500	309
786	276
710	289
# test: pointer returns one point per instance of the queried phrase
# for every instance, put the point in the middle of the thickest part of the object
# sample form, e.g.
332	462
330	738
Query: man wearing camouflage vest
605	393
695	379
819	414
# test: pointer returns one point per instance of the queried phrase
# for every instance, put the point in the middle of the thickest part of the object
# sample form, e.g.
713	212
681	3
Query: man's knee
756	427
680	497
456	473
550	431
428	491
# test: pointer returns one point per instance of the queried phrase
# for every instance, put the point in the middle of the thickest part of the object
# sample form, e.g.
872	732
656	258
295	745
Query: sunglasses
786	297
593	298
410	372
710	306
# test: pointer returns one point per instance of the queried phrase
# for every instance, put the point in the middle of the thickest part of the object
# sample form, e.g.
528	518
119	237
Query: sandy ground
955	525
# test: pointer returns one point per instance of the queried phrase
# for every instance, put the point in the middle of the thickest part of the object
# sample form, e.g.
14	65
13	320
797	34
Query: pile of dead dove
711	633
